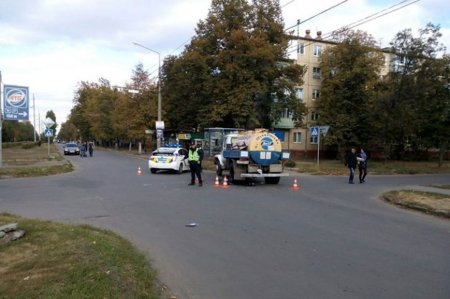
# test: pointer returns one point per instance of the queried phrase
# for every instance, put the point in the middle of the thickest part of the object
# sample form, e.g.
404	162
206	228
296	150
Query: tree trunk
140	147
129	147
442	149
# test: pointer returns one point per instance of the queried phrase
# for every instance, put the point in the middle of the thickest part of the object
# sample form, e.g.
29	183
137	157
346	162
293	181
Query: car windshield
71	145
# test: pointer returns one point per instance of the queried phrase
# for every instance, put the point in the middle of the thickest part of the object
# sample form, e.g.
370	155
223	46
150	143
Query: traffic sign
324	130
15	102
159	133
48	132
48	122
159	125
314	131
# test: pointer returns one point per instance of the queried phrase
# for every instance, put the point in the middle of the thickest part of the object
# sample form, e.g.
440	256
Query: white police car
169	158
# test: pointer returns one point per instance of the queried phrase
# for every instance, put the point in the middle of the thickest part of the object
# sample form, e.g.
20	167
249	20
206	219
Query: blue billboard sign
15	102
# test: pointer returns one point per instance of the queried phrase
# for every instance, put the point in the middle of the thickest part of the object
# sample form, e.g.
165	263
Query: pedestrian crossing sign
314	131
48	132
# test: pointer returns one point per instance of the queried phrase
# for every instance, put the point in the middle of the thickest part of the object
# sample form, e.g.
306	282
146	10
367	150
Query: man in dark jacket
351	163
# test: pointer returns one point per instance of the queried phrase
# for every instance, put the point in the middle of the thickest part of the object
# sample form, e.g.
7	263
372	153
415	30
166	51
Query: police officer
351	161
194	159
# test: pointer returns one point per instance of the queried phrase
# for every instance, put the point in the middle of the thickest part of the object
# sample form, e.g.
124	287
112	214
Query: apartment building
298	140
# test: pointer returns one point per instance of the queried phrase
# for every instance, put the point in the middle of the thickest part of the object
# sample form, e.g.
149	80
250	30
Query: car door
184	154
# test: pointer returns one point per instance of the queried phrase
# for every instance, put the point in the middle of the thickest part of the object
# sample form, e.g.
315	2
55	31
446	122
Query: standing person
82	150
351	163
201	154
194	164
362	165
91	149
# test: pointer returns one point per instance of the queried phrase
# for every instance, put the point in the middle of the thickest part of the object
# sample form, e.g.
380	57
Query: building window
315	94
313	140
301	48
297	137
317	50
286	113
299	94
316	73
314	116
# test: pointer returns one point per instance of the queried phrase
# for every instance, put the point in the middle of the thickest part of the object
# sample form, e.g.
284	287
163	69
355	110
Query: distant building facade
298	140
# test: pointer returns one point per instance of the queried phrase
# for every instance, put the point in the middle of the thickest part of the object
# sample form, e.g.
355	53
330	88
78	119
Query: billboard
15	102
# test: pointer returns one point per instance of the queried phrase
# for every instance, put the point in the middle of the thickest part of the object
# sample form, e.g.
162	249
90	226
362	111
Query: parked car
71	149
168	158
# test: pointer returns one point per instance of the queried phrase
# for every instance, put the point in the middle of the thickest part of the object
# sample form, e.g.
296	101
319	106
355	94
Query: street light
158	139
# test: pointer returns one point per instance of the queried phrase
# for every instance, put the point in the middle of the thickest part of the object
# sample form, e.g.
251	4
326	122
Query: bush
28	145
12	144
290	163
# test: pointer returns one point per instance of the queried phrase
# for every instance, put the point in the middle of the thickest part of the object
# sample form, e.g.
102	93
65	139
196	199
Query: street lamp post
158	140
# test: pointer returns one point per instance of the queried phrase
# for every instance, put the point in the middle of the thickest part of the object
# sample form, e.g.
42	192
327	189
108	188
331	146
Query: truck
247	155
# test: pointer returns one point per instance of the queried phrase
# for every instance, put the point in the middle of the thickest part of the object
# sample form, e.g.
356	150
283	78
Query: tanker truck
251	154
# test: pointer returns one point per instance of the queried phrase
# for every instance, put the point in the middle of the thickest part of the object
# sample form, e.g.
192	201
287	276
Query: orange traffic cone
216	182
225	183
139	171
295	186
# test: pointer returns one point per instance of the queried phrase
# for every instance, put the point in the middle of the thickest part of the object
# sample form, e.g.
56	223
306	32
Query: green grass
27	160
35	171
446	187
332	167
428	202
56	260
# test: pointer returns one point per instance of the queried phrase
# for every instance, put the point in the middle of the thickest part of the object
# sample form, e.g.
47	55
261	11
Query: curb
440	213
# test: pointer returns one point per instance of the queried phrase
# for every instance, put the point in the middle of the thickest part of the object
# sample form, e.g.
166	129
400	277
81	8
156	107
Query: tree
15	131
350	71
414	98
433	80
68	131
98	110
233	69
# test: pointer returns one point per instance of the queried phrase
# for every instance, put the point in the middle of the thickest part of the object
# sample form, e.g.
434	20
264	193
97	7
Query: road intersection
327	240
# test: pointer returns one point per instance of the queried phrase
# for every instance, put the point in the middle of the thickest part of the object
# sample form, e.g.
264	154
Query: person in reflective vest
194	159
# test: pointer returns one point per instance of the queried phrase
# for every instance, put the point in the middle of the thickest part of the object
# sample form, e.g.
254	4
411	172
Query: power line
284	5
374	14
316	15
287	3
363	21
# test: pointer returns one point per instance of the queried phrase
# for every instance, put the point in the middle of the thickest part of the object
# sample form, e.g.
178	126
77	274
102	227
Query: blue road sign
48	132
15	102
314	131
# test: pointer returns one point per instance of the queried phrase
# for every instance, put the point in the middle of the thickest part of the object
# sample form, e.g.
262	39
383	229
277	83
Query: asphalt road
327	240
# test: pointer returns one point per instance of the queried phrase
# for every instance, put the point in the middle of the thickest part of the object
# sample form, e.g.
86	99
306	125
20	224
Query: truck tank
264	148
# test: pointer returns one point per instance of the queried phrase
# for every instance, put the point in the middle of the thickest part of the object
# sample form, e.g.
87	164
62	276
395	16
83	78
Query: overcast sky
51	45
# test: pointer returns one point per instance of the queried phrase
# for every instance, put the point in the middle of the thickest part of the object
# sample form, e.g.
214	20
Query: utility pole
39	119
34	119
158	138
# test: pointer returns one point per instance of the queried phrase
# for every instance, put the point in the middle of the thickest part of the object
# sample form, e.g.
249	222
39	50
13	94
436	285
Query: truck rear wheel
272	180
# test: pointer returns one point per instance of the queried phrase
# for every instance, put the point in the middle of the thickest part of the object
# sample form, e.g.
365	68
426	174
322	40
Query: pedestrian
362	165
82	150
351	162
91	149
201	154
194	165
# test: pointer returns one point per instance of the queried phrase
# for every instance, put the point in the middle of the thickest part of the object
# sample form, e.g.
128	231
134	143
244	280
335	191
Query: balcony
284	123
